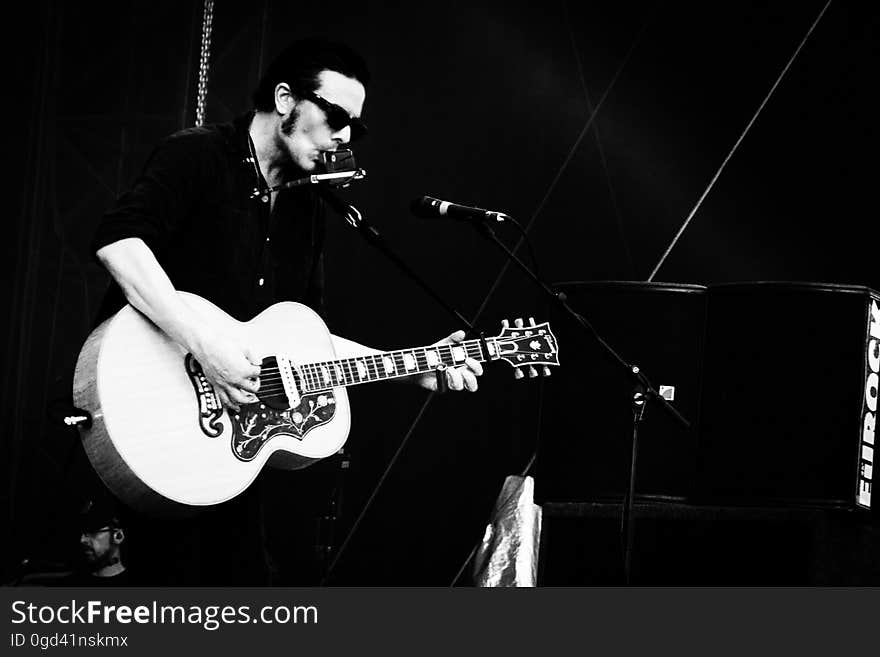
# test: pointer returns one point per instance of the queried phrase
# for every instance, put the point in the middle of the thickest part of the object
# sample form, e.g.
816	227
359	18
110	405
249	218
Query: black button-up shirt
194	206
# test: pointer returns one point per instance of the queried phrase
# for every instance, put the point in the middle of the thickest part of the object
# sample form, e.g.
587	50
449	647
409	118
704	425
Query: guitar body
162	442
158	437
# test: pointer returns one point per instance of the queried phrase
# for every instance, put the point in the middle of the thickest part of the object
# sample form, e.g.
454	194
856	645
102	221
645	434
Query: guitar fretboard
390	365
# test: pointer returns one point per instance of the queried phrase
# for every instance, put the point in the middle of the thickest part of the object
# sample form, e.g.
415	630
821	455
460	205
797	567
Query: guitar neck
391	364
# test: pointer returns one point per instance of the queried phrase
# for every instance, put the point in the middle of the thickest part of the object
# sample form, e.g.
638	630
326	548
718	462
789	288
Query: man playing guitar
202	218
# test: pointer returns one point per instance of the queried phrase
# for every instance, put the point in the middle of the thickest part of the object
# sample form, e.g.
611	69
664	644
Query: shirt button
260	282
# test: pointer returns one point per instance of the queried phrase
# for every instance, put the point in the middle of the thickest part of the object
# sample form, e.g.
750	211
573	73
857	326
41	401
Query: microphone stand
355	219
370	233
642	390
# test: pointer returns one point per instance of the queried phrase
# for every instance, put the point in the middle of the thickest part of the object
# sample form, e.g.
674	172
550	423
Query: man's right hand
231	367
229	364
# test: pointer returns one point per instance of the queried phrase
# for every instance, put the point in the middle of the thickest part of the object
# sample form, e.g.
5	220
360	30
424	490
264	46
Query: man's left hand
462	377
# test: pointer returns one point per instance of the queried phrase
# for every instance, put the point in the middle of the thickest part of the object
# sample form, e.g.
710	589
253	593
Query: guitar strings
314	379
419	357
468	345
272	382
374	370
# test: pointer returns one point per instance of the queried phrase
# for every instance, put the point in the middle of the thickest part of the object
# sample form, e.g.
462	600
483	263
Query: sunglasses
338	118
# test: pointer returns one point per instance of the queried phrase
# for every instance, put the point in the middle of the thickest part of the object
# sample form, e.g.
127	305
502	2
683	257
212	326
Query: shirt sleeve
161	197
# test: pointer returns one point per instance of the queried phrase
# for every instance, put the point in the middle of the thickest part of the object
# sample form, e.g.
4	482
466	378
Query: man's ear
118	536
284	100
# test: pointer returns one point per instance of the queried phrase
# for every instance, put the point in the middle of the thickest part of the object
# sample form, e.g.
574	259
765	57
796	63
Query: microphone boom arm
355	219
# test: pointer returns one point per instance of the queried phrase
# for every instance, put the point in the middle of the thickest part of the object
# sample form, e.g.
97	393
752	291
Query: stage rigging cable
736	145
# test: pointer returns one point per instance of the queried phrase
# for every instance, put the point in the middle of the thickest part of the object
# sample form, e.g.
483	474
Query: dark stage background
480	103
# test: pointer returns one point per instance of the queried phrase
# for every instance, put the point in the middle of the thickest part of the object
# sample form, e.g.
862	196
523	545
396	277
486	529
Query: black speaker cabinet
789	399
700	545
586	416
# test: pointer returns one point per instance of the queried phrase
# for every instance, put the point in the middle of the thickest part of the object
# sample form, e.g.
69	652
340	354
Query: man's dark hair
299	65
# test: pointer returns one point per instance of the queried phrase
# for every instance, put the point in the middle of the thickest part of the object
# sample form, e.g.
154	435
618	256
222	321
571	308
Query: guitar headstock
527	346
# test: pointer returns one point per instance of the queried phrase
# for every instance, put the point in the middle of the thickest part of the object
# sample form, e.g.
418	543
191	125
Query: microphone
428	207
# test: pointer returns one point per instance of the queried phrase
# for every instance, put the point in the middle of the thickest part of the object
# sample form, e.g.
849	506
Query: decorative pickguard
210	409
257	423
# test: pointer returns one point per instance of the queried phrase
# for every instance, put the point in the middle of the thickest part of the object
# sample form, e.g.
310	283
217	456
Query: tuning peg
518	373
505	324
546	371
533	373
532	321
518	323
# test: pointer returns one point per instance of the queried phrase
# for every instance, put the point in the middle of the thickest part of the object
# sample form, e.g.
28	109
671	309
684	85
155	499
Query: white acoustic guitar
162	442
